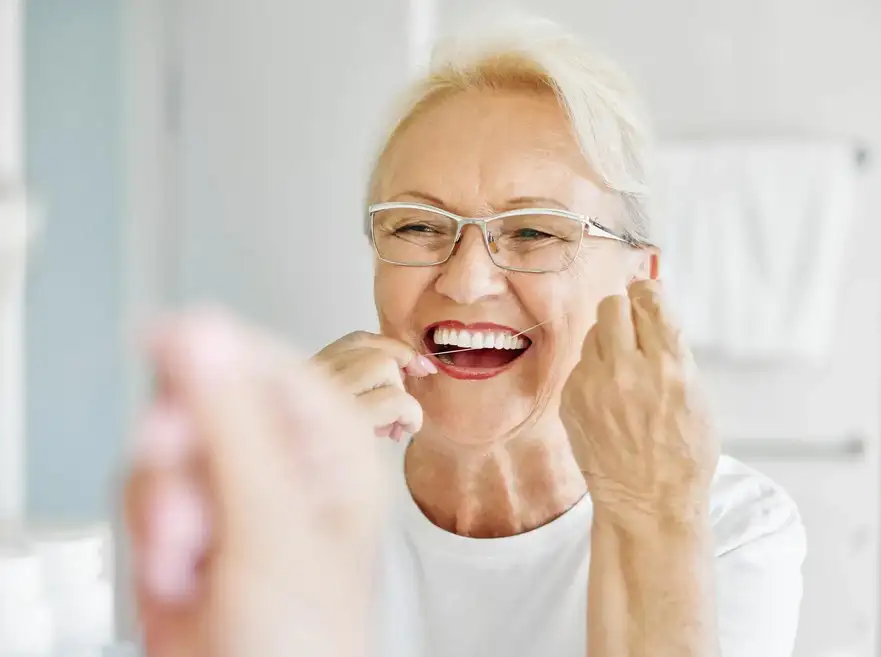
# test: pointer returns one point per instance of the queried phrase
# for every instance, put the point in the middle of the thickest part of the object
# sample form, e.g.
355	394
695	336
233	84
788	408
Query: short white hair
518	51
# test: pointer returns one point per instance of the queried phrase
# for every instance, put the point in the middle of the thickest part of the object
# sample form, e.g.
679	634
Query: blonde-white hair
517	51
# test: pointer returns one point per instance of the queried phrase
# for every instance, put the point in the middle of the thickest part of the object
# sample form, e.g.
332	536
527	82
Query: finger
166	632
163	444
402	353
654	333
421	366
163	552
614	327
254	443
366	369
387	406
207	360
167	516
180	528
590	350
337	468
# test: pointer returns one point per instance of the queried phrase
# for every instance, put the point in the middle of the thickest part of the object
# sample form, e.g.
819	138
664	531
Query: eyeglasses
528	240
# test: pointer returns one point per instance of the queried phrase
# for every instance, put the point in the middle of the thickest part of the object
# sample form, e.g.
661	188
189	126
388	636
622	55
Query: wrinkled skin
634	417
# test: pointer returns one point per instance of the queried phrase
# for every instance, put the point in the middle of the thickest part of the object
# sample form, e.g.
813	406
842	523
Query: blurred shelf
848	448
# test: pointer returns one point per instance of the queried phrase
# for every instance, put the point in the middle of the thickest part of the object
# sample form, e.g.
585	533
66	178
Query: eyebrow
537	201
420	196
520	201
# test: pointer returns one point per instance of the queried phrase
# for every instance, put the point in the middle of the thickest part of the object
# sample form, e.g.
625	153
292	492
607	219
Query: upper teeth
478	339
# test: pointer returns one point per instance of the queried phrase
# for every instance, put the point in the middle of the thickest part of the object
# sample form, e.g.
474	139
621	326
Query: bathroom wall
73	150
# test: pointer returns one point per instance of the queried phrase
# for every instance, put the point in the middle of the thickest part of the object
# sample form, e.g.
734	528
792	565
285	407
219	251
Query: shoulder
749	509
760	549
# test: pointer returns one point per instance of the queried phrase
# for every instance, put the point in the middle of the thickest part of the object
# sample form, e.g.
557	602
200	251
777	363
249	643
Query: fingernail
168	576
178	538
397	433
180	521
426	363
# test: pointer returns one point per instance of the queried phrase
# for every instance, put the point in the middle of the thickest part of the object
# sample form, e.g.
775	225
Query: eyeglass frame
594	229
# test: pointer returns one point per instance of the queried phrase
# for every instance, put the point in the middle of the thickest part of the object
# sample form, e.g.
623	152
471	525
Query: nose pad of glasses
461	236
491	243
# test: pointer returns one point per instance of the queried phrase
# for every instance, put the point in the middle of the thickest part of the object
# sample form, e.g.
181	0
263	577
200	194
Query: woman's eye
531	234
416	228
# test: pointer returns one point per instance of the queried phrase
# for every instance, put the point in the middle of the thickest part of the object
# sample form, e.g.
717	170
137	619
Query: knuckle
343	344
380	364
357	337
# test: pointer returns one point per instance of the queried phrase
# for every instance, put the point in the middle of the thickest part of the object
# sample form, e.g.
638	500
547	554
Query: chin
474	419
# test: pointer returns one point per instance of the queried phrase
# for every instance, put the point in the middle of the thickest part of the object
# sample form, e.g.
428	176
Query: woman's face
475	154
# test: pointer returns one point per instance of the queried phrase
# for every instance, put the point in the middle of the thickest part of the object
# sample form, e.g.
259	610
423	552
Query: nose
470	275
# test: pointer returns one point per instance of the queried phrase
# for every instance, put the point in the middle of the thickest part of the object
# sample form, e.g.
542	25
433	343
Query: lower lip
473	373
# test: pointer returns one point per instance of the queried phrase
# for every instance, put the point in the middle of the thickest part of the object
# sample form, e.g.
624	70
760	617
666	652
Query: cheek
576	295
396	292
599	273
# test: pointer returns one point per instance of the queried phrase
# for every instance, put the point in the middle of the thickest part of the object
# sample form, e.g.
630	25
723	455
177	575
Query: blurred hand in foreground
253	503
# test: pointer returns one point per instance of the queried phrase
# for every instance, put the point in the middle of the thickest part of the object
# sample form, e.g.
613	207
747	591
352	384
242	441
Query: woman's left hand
636	425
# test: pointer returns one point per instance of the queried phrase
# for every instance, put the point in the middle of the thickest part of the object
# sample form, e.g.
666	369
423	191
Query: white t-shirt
444	595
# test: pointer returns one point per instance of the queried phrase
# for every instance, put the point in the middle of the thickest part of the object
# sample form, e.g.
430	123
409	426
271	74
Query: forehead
479	149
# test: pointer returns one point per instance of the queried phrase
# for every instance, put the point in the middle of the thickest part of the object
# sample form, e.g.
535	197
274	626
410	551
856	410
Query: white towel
753	234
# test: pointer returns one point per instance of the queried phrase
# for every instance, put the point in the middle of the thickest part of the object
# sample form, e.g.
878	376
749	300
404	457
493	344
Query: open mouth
480	348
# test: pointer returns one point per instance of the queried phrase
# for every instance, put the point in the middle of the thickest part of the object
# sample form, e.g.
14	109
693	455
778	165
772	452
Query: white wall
279	107
780	67
12	229
11	27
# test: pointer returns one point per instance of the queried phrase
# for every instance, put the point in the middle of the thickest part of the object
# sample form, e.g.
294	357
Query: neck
497	489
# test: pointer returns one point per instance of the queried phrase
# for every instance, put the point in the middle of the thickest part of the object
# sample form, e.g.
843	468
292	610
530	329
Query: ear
649	266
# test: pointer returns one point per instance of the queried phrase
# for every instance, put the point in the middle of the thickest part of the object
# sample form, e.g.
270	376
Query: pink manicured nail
180	520
397	433
179	535
168	576
428	365
420	366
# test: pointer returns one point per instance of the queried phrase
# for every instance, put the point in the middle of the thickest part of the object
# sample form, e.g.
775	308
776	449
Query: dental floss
453	351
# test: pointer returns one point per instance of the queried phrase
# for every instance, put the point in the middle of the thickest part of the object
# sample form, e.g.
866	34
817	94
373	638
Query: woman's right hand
371	368
253	503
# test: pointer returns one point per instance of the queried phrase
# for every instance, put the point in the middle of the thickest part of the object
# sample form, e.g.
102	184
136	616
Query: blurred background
161	152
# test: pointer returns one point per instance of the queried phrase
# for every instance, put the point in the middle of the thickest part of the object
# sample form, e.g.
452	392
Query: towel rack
849	448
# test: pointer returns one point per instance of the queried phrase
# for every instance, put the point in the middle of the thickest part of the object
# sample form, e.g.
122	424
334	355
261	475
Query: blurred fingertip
168	578
208	346
164	439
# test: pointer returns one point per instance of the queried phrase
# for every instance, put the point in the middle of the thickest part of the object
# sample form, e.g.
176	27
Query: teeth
478	339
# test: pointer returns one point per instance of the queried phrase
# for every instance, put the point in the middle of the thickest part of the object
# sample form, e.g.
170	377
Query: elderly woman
555	483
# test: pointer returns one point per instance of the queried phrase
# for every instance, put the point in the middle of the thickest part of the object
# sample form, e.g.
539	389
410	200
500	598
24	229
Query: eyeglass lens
535	242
